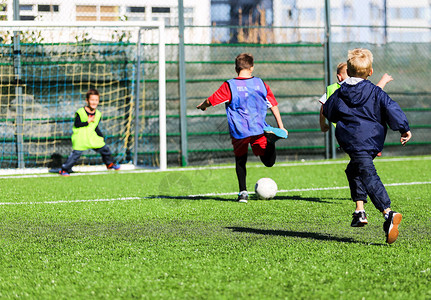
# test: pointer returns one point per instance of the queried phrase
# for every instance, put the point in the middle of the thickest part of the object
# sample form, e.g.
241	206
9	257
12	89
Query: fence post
18	89
182	84
328	71
137	95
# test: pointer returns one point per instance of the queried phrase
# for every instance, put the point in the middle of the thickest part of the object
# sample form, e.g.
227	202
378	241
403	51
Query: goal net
45	72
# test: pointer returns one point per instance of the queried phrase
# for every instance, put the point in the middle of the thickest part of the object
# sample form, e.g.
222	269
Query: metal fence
290	42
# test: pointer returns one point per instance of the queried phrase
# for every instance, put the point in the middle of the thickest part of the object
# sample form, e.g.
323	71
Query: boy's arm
204	105
220	96
276	112
384	80
324	127
394	116
98	131
78	123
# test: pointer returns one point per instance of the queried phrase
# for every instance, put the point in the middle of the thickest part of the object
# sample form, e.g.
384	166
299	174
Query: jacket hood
356	94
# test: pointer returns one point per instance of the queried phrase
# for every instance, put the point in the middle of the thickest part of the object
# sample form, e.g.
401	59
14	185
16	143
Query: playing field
178	235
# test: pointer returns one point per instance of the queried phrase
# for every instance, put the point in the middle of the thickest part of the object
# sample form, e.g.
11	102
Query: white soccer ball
265	188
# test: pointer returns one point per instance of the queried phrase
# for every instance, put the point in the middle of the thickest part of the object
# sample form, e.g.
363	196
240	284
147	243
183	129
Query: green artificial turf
125	235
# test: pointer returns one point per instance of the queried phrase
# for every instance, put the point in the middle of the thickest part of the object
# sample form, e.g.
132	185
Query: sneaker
391	226
113	166
359	219
243	197
64	173
274	134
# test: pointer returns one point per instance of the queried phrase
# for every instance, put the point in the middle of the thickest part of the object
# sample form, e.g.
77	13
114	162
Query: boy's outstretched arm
324	127
276	112
384	80
204	105
405	137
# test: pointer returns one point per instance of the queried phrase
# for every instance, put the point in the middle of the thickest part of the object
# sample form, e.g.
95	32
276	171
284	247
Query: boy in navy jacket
362	112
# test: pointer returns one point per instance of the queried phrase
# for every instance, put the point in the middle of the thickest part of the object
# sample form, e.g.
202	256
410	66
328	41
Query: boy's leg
71	161
270	155
106	154
371	181
107	158
264	148
240	149
358	194
241	171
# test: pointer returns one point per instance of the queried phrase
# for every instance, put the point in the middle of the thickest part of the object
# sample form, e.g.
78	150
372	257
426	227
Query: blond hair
359	63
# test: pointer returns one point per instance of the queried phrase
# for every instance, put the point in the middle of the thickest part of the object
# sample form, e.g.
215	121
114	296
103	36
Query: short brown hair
91	92
359	63
243	61
341	66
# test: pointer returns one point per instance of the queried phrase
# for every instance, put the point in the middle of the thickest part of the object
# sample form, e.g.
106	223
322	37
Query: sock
358	211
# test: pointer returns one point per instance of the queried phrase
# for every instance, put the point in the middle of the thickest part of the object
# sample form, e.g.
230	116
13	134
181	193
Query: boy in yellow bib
87	135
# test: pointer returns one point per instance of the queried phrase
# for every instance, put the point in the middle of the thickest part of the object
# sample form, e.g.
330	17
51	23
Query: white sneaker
243	197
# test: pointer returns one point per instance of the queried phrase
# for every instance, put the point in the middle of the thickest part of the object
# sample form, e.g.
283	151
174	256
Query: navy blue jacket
362	113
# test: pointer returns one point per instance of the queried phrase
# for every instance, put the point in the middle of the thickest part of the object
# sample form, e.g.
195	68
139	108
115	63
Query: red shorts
258	145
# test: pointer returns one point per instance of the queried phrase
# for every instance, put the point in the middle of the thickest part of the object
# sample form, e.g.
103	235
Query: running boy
87	135
330	89
362	112
247	99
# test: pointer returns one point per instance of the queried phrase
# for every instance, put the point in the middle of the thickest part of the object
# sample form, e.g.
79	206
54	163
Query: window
43	8
26	7
26	18
109	13
86	13
97	13
220	12
47	8
136	9
165	10
375	12
307	14
135	13
406	13
347	11
162	13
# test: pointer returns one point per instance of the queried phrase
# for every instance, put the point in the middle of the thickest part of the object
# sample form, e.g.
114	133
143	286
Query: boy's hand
204	105
384	80
405	137
90	119
324	127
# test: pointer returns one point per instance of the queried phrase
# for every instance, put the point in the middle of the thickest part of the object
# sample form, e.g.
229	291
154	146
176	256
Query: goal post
45	72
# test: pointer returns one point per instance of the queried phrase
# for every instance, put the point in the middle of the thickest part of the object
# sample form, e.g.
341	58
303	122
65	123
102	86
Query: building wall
197	13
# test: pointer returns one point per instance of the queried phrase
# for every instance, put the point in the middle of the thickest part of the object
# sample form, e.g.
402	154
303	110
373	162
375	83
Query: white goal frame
27	25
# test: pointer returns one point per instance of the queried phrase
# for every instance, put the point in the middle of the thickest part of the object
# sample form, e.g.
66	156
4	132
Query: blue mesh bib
246	111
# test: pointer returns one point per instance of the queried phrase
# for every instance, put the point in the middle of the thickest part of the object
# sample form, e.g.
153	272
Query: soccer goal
46	70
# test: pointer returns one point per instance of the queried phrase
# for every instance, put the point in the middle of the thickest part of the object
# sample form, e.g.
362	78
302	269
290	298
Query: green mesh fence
54	84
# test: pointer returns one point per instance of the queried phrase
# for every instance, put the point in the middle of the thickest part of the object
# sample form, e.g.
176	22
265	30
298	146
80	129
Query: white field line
201	195
72	201
131	170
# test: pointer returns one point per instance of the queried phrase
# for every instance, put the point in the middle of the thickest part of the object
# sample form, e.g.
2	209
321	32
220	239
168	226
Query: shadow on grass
286	233
310	199
233	198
